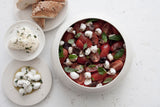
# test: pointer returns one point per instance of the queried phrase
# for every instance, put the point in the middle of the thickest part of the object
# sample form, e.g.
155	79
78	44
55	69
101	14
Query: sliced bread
22	4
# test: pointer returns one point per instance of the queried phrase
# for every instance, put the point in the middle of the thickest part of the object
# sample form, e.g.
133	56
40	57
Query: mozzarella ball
36	85
79	68
106	64
87	82
87	75
37	77
19	75
22	91
99	85
70	50
74	75
20	83
29	89
61	43
110	57
94	48
68	62
98	31
87	51
33	71
82	27
26	84
23	70
30	76
88	33
112	71
15	82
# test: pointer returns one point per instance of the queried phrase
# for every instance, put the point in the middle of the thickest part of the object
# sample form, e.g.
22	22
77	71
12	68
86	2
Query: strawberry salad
92	52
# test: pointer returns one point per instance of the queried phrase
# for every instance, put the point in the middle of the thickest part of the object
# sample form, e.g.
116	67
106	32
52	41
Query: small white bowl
33	98
21	55
61	73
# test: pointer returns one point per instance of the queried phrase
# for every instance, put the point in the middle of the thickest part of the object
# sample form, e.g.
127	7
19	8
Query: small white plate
36	96
50	23
22	55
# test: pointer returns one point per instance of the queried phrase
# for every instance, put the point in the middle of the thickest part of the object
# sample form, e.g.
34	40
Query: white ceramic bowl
21	55
61	73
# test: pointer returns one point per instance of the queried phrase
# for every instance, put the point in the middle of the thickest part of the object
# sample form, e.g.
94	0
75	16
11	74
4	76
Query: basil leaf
119	54
92	78
92	20
68	69
72	56
104	37
107	80
78	35
115	37
85	46
71	41
61	52
99	50
91	66
101	70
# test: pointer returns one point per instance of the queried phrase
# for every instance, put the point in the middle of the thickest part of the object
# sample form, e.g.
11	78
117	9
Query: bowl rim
75	19
40	48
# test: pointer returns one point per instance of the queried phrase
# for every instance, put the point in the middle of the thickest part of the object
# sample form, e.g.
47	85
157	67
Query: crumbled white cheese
29	76
87	75
73	44
26	84
74	75
98	31
89	24
71	30
94	48
99	85
24	39
112	71
33	71
81	54
106	64
79	68
19	75
68	62
61	43
88	33
110	57
29	89
87	51
70	50
82	27
87	81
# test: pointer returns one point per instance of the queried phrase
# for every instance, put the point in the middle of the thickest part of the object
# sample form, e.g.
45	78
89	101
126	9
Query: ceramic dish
33	98
21	55
61	73
50	23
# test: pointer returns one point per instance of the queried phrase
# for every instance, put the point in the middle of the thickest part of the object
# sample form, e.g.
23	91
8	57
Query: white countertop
140	88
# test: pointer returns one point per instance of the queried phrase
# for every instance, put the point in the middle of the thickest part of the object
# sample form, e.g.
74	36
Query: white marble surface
140	88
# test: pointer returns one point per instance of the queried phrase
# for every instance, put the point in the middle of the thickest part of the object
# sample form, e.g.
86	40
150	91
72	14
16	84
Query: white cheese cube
87	82
82	27
98	31
99	85
88	33
94	49
110	57
112	71
106	64
87	51
61	43
70	50
36	85
79	68
87	75
68	62
37	77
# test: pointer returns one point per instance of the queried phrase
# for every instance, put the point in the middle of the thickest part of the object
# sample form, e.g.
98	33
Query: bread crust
46	9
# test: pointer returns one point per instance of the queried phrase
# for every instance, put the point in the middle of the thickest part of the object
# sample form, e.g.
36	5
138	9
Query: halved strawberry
82	60
116	46
95	39
79	44
68	36
96	76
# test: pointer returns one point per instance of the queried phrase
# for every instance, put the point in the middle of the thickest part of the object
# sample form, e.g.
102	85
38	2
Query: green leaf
78	35
104	37
68	69
85	46
91	66
107	80
115	37
92	78
61	52
99	50
92	20
73	56
87	57
119	54
101	70
71	41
